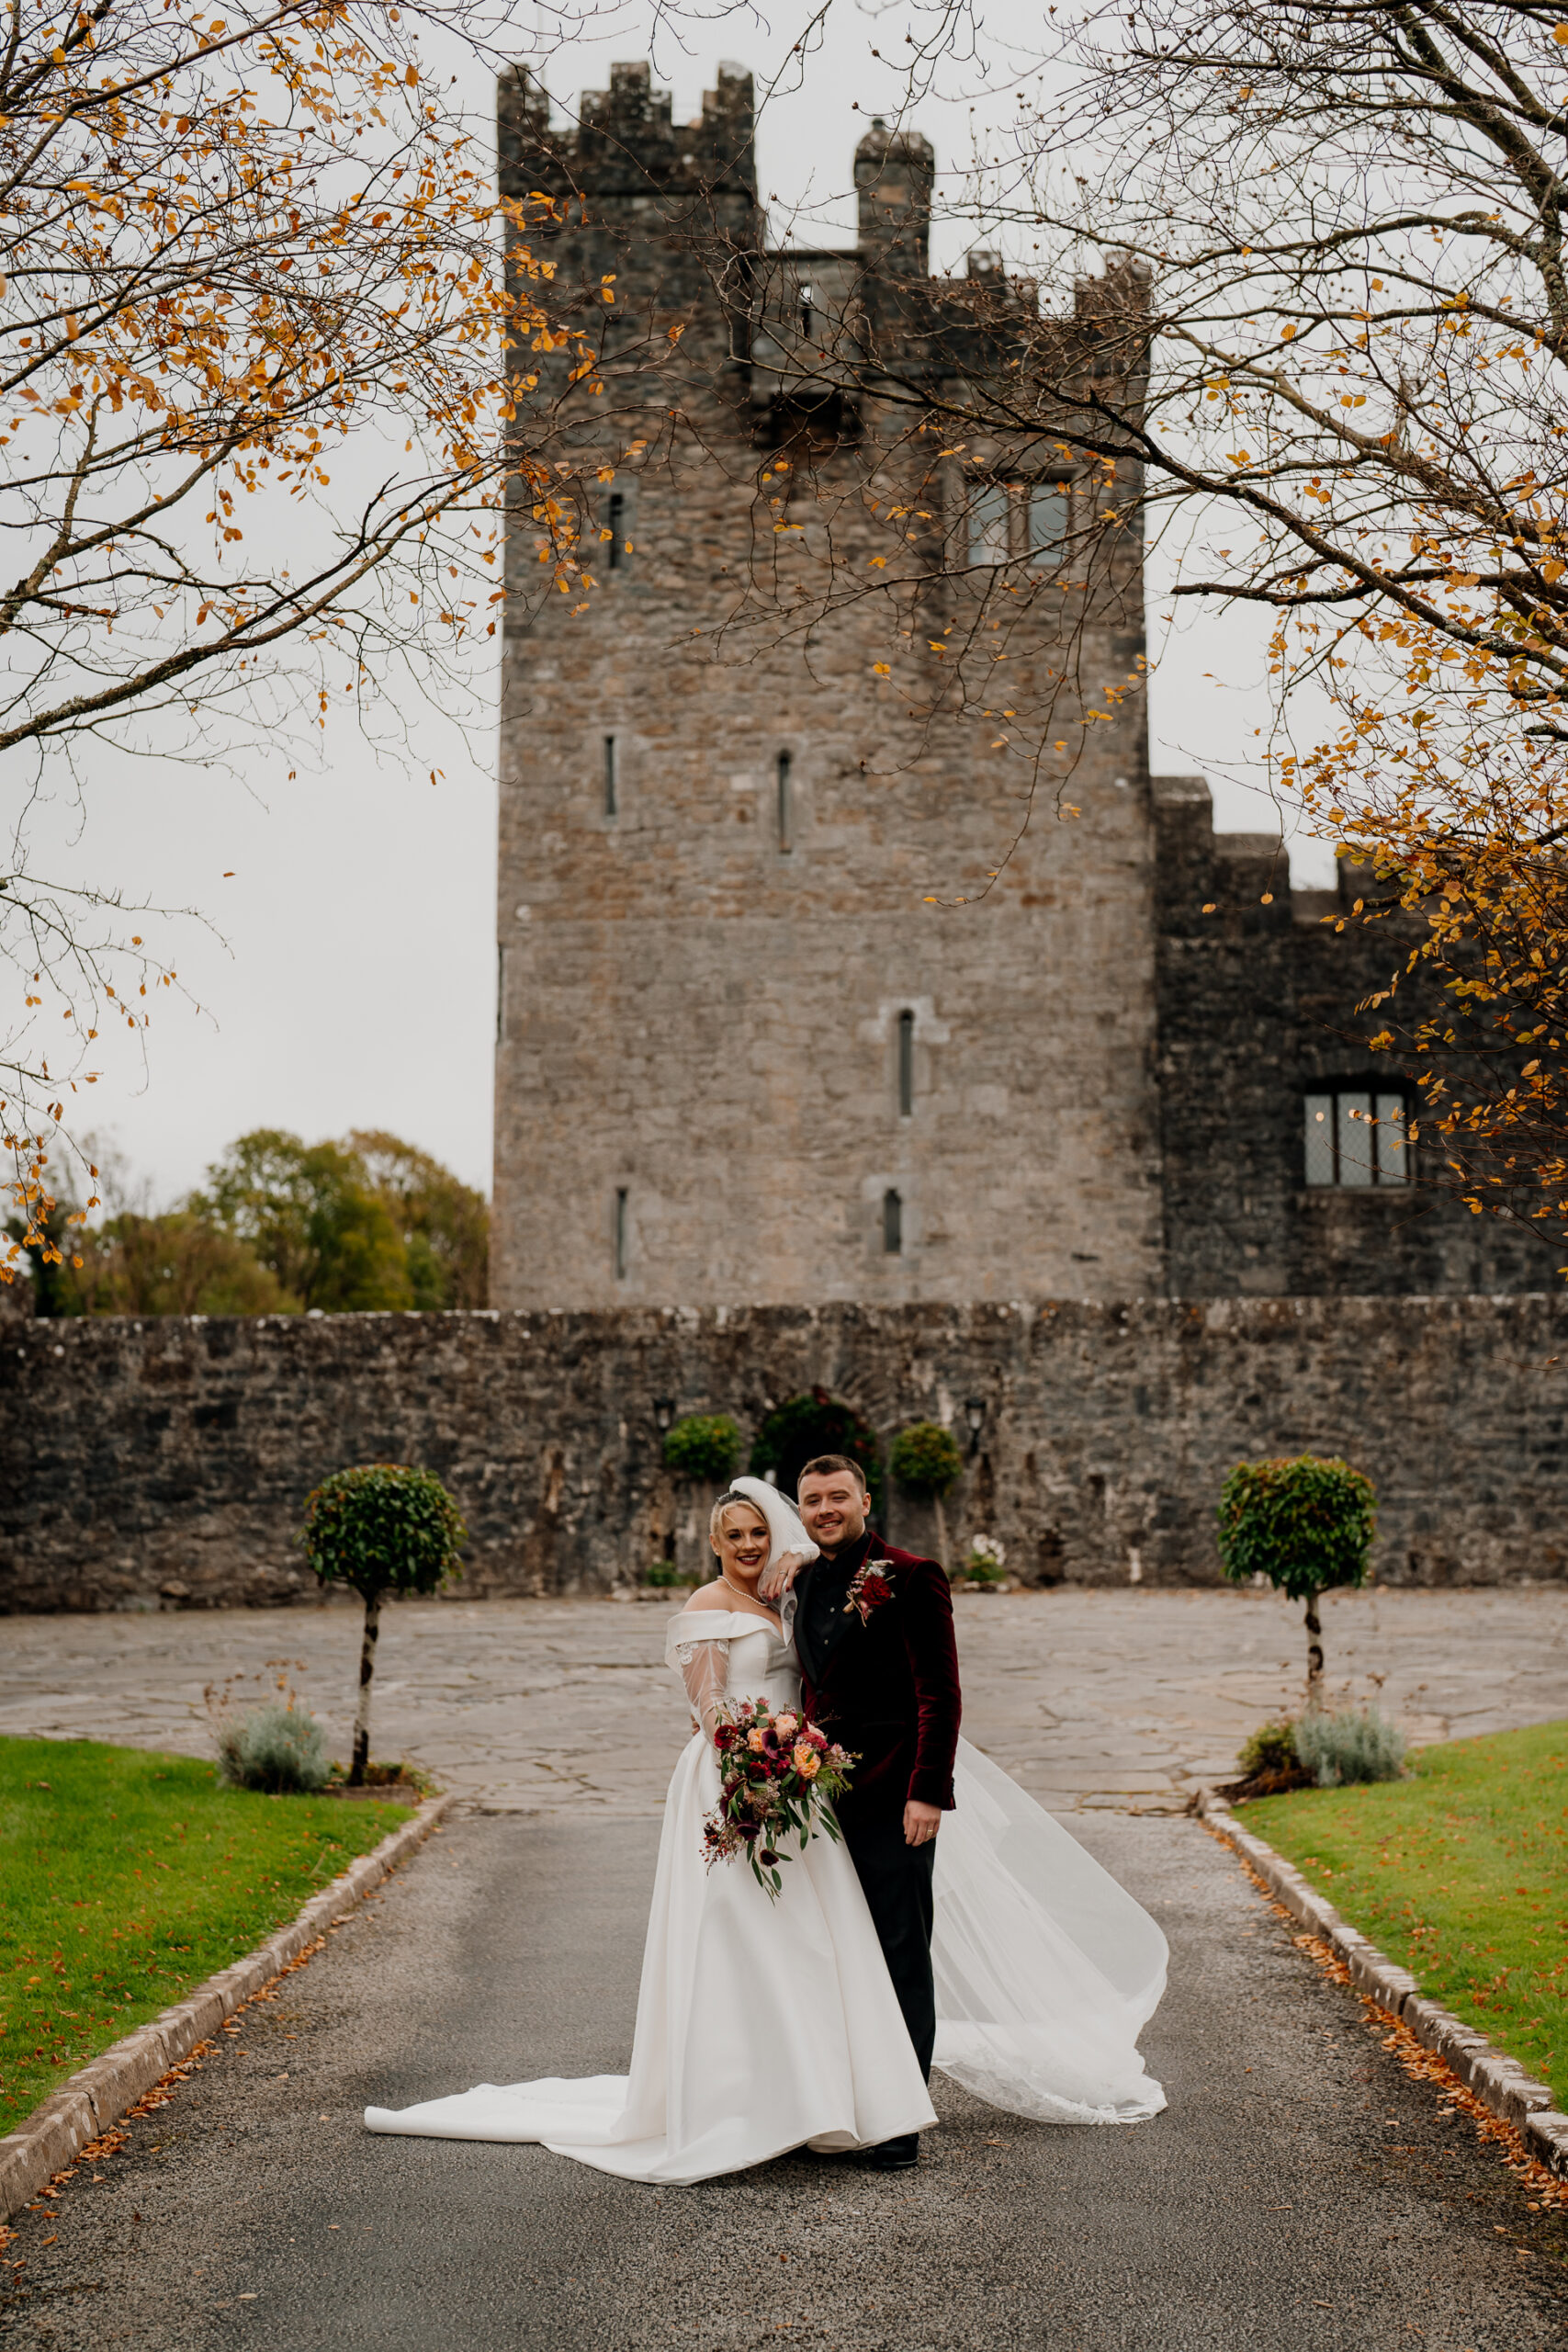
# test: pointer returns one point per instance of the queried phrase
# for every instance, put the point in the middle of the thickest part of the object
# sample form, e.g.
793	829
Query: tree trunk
362	1712
1315	1653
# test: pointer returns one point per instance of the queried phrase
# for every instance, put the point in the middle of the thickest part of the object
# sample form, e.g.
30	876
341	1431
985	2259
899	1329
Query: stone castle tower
739	1057
749	1047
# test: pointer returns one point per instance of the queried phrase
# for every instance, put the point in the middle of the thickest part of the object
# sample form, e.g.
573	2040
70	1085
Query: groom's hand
922	1822
776	1580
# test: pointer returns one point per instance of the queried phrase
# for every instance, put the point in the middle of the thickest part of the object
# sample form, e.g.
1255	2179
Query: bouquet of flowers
779	1775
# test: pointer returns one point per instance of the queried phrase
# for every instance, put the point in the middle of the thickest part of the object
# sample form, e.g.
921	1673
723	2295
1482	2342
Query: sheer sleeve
704	1668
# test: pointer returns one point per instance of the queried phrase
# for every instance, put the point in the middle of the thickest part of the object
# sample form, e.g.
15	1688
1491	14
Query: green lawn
125	1878
1461	1874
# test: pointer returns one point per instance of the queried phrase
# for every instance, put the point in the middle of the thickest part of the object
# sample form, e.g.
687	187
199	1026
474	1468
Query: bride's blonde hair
727	1502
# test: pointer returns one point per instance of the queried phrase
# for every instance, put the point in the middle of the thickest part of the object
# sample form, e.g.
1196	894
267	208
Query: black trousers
897	1880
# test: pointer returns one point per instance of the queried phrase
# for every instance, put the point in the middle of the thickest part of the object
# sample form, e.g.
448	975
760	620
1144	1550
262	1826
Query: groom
874	1628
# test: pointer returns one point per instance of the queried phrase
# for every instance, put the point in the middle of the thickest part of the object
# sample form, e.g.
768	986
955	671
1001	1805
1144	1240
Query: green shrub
1272	1748
1360	1745
1306	1524
664	1573
703	1446
926	1458
276	1749
383	1528
811	1424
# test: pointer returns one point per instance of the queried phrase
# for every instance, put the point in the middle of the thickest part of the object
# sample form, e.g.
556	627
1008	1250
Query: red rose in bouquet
778	1777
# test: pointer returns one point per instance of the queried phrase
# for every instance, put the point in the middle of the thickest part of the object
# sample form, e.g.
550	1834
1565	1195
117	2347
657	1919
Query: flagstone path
1120	1700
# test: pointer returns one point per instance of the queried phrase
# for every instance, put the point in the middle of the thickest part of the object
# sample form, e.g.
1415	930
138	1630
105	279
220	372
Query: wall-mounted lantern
975	1414
664	1410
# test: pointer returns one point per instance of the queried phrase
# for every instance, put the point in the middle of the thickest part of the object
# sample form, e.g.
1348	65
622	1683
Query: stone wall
167	1463
1262	1001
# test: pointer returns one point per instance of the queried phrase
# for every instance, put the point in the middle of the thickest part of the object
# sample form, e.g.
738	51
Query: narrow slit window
616	524
784	797
906	1065
612	775
892	1225
807	316
501	995
620	1232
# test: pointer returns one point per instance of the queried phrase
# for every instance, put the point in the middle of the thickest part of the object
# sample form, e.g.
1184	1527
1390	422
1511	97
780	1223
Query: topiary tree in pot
925	1459
383	1528
1306	1522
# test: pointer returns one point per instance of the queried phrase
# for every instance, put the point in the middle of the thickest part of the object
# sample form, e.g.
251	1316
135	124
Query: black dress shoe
894	2155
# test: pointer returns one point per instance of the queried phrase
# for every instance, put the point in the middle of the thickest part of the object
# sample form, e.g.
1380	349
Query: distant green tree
54	1258
444	1222
174	1264
1306	1522
311	1214
281	1226
383	1528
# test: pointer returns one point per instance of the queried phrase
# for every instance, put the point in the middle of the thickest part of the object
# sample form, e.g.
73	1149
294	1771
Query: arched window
892	1224
906	1065
1356	1138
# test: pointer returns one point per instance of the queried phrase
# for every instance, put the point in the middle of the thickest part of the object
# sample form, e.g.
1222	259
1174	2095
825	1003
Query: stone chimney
894	173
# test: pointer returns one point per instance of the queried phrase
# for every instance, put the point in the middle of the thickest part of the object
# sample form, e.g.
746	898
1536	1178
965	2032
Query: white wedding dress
762	2027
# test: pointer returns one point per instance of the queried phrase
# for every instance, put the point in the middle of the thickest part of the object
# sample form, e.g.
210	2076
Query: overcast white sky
356	984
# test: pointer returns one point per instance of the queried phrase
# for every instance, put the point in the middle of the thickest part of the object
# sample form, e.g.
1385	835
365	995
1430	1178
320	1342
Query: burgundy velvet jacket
889	1687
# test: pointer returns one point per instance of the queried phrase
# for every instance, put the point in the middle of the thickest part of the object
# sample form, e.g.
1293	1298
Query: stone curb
1500	2082
99	2095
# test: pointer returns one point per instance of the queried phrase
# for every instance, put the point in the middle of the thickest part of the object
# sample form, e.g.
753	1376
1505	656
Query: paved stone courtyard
1121	1700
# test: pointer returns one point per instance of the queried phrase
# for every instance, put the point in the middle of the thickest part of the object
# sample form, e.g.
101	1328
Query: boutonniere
870	1585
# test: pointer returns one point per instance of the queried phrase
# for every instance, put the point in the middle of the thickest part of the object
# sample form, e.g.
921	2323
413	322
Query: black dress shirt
825	1599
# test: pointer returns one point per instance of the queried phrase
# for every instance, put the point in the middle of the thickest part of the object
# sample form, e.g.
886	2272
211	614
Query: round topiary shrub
810	1424
1307	1523
703	1446
280	1749
383	1528
926	1458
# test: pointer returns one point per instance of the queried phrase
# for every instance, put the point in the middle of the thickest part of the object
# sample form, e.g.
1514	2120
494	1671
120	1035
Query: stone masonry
166	1463
731	1029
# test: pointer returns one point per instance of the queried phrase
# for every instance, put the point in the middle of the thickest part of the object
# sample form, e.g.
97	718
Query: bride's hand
780	1575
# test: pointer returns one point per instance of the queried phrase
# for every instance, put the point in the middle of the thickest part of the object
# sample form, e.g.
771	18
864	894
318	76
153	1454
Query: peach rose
754	1741
806	1762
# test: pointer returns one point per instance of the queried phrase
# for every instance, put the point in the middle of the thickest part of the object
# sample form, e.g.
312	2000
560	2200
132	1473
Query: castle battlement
625	142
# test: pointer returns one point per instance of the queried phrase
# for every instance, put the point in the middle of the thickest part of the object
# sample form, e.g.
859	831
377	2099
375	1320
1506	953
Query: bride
763	2027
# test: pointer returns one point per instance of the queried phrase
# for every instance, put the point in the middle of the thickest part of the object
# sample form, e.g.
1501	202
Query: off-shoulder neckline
741	1616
